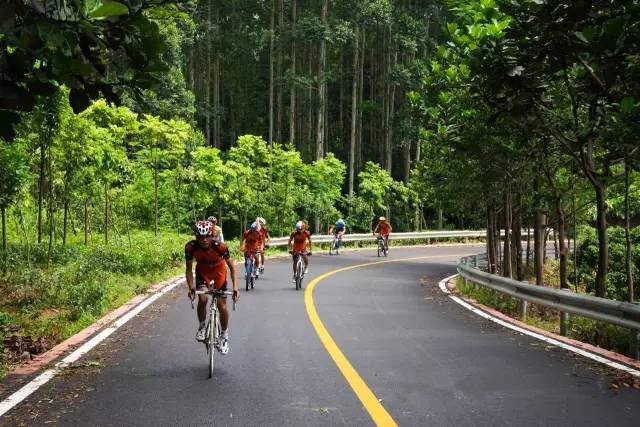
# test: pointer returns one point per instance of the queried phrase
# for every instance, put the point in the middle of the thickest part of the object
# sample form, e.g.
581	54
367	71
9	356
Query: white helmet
261	220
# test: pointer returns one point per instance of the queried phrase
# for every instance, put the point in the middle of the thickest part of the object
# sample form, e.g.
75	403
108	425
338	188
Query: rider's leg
305	258
202	308
224	313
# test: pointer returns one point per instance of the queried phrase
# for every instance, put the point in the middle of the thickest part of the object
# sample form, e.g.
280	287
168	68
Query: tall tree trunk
388	146
207	78
575	242
538	235
506	262
50	210
3	209
309	138
358	157
603	241
86	223
627	236
41	182
292	101
562	249
106	213
65	221
271	77
517	237
155	201
490	258
216	89
538	247
322	86
354	113
528	243
279	109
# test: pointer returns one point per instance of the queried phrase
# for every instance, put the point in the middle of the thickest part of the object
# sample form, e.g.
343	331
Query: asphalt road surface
427	360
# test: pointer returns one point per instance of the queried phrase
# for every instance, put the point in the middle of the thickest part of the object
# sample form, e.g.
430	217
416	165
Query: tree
78	44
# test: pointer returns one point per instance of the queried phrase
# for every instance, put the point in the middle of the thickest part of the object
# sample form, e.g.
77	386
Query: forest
123	121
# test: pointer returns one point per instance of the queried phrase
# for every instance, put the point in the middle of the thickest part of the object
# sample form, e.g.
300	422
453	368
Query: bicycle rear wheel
379	248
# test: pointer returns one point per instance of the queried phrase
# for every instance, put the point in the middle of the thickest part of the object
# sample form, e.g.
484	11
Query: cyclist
298	244
217	228
251	242
212	259
338	230
383	229
265	240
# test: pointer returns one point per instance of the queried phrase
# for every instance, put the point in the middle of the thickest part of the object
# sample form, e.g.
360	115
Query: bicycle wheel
385	249
331	248
299	274
247	274
213	338
379	248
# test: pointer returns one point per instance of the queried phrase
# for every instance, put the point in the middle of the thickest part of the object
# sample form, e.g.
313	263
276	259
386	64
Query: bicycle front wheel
213	340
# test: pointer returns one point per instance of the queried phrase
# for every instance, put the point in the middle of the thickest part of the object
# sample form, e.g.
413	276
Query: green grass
46	304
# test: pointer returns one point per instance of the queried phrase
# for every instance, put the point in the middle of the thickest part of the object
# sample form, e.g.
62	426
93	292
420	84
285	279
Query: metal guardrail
324	238
619	313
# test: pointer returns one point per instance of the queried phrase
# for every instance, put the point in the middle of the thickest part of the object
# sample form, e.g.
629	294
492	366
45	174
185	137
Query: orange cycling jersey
210	263
300	240
252	240
384	228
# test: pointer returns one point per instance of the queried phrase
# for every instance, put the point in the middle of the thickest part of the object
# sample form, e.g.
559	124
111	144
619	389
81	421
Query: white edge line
44	377
587	354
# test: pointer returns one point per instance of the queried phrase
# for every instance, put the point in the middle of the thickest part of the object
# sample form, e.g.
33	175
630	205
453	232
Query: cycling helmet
261	220
213	220
340	221
203	228
300	225
254	226
382	218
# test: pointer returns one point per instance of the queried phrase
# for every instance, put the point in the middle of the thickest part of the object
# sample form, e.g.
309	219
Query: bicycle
250	269
213	328
382	246
335	245
299	270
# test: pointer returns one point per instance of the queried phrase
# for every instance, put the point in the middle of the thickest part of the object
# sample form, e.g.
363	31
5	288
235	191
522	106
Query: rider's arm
232	270
289	245
242	244
375	230
330	230
310	244
189	275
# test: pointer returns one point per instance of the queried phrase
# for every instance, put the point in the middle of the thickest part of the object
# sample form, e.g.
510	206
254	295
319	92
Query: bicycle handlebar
215	293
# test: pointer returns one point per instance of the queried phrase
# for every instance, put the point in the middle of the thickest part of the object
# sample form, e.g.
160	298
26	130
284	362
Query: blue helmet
340	221
253	226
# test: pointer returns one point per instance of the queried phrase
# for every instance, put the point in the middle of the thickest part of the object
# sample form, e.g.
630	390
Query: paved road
429	360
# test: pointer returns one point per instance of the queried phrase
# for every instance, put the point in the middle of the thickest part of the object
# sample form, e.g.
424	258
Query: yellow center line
377	412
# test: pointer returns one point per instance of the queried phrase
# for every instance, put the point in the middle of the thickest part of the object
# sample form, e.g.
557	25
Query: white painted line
549	340
43	378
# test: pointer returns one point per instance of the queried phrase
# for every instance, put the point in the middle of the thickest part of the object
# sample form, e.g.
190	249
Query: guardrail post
522	310
475	261
564	319
634	350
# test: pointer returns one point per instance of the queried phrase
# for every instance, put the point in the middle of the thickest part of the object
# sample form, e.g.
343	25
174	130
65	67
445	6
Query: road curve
426	359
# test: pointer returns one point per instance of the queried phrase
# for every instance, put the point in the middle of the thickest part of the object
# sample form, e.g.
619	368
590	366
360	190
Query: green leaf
109	8
627	105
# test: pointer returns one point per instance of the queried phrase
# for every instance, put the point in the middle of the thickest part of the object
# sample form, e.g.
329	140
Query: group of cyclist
212	259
